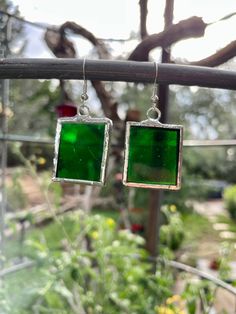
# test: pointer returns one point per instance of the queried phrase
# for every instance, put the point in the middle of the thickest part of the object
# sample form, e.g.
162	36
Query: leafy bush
102	270
172	233
230	200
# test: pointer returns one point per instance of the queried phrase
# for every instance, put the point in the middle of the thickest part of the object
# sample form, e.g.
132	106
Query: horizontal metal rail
126	71
218	282
16	268
208	143
45	141
25	139
180	266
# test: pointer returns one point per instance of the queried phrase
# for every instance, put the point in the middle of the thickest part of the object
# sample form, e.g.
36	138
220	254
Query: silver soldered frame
83	119
155	124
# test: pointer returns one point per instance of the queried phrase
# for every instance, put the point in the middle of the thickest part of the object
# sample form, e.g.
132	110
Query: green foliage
16	196
230	200
172	232
94	269
226	250
34	110
200	289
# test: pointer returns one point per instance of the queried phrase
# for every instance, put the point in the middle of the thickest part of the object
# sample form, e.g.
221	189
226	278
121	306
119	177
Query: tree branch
143	18
109	105
79	30
57	42
62	47
169	12
191	27
163	90
168	17
221	56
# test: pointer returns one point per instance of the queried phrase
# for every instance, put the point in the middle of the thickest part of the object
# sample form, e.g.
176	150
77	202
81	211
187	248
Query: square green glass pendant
153	155
81	150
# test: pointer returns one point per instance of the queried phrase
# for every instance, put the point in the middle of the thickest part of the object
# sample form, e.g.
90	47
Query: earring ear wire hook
154	100
154	97
83	109
84	95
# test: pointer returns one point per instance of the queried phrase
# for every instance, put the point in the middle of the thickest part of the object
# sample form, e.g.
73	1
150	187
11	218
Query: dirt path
225	301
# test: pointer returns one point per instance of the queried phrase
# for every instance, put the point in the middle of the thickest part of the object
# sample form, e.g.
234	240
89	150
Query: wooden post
156	196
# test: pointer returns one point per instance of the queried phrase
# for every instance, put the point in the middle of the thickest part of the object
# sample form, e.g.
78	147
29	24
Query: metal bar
106	70
208	143
16	268
5	104
25	139
187	143
201	274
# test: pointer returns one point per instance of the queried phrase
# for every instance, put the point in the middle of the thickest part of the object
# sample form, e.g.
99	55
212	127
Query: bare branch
163	90
168	17
62	47
221	56
59	44
109	105
79	30
191	27
169	12
143	18
226	17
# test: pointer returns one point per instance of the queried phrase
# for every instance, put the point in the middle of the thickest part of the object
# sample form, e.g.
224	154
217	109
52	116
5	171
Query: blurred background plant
230	201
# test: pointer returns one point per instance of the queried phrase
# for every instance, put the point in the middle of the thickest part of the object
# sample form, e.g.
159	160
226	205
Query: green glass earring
153	151
81	146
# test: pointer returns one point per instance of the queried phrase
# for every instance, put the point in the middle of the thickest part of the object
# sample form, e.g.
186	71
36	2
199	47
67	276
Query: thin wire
52	28
54	215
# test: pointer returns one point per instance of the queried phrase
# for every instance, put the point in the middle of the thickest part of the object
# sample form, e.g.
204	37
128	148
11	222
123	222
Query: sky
118	18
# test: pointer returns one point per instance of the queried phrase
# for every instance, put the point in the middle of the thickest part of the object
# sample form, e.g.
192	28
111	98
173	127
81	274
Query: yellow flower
110	222
173	208
174	298
41	161
164	310
94	235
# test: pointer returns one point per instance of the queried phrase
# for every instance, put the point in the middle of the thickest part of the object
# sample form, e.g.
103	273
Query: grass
114	214
197	227
231	223
201	240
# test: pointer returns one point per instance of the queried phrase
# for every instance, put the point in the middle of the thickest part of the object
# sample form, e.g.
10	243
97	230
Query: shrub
230	200
102	270
172	232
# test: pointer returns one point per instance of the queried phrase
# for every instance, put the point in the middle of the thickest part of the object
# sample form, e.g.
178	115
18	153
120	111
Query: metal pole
126	71
5	104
